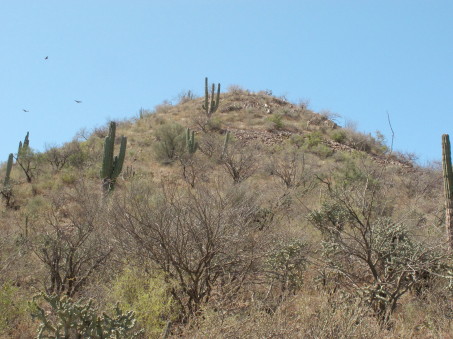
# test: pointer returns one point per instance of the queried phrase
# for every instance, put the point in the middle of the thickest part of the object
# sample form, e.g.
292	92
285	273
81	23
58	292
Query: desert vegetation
231	215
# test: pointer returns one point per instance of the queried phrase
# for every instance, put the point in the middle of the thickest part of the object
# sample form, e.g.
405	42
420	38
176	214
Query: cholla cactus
74	319
112	166
448	187
210	105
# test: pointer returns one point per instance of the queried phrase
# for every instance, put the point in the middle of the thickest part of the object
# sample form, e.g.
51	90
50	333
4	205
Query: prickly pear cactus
75	319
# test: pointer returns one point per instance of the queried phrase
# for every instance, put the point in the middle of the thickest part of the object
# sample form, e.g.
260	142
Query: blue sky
358	59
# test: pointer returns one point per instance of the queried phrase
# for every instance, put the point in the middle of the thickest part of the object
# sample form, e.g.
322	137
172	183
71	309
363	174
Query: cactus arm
20	148
211	104
448	187
191	144
206	95
217	98
26	140
119	160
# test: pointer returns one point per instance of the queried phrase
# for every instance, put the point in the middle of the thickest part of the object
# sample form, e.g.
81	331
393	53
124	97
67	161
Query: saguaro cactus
210	104
23	146
191	144
7	191
112	166
9	166
225	143
448	187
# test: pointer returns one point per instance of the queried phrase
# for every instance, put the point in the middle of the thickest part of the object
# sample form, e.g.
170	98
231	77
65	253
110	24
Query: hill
244	216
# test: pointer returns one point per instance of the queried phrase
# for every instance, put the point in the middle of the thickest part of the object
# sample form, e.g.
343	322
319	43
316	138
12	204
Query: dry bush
240	160
199	238
289	166
303	316
58	157
68	240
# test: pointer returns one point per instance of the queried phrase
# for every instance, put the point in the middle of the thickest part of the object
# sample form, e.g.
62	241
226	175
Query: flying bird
78	101
46	58
25	110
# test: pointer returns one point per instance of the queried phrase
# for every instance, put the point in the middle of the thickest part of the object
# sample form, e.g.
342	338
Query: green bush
276	121
148	297
214	124
323	151
313	139
170	142
339	136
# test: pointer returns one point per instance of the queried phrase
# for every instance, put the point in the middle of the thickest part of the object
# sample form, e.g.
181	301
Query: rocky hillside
244	216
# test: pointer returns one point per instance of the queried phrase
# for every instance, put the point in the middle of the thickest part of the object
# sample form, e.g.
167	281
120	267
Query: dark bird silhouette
46	58
25	110
78	101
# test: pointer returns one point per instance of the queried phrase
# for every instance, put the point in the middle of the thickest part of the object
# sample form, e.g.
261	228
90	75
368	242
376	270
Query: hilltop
248	216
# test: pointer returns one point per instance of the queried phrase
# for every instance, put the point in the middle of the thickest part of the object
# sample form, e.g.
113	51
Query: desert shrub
12	307
287	263
170	142
163	108
303	316
369	253
338	136
289	166
275	122
185	96
58	157
240	160
66	238
297	140
199	238
148	296
213	124
236	89
322	150
313	139
68	178
77	319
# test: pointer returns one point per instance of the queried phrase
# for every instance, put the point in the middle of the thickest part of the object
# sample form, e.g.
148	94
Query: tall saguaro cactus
7	191
210	104
9	166
112	166
448	187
